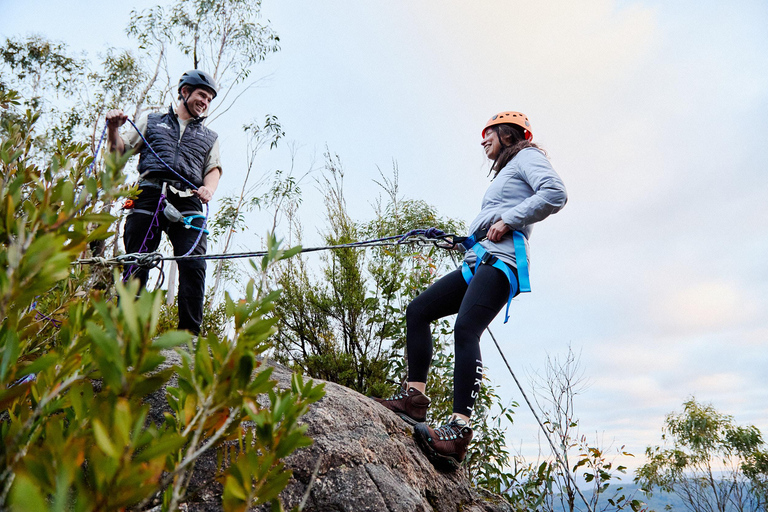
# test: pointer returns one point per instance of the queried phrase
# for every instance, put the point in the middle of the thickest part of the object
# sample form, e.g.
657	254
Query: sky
655	114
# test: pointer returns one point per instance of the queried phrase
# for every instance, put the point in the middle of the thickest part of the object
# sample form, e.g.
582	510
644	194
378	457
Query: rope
182	178
149	236
42	316
96	154
153	259
546	434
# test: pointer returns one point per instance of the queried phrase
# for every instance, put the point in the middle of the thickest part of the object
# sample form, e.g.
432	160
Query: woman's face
491	144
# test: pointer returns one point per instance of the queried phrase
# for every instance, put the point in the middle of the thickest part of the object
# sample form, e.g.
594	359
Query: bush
76	368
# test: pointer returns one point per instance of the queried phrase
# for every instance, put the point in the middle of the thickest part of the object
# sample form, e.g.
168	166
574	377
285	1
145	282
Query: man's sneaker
446	446
410	404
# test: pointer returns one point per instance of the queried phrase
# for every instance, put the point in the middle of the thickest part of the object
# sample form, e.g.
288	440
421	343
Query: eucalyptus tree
709	461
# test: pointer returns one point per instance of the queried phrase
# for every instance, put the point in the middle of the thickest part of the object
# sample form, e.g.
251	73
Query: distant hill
659	502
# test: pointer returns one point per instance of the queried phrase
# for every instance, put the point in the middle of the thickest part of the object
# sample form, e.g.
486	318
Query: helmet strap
186	106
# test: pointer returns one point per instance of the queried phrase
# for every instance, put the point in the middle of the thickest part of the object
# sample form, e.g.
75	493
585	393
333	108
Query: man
180	140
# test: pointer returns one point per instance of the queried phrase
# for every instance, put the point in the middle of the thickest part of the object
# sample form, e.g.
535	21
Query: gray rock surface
367	460
365	457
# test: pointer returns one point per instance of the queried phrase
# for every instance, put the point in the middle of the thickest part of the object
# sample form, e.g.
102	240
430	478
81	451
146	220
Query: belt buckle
488	258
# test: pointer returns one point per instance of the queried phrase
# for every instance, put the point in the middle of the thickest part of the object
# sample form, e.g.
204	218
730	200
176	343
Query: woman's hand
498	230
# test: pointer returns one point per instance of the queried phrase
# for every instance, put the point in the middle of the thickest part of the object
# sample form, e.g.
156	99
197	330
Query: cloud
704	305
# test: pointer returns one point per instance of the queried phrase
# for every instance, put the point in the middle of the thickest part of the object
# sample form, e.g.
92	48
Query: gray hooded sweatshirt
526	191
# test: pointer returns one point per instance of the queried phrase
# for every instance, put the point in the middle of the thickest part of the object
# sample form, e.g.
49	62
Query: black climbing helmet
197	78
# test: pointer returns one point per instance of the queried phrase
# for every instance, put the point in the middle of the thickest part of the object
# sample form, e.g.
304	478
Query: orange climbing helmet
517	118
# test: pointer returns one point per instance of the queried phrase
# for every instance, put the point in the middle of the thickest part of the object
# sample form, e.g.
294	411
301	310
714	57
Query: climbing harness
472	243
171	212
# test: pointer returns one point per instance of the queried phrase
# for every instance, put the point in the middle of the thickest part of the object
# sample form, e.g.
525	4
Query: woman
525	189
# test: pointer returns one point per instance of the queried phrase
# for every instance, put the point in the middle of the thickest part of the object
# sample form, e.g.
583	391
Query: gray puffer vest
186	156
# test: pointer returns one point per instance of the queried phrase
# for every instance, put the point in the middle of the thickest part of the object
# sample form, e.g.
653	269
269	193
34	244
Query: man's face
198	100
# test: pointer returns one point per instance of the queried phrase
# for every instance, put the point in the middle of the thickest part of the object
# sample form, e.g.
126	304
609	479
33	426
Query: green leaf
289	253
7	396
232	488
9	341
151	362
162	447
40	364
26	496
103	441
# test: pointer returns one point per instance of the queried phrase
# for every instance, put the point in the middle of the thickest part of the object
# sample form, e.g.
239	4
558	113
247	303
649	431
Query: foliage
222	37
47	74
231	216
40	64
348	325
76	427
712	463
73	92
555	393
214	319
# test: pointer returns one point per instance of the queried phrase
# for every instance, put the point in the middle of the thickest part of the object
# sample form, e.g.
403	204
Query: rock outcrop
367	460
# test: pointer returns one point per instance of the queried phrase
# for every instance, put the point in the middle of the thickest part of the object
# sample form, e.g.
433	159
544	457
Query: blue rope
89	171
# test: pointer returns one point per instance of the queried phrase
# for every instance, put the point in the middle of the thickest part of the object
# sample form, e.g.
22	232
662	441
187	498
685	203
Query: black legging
476	305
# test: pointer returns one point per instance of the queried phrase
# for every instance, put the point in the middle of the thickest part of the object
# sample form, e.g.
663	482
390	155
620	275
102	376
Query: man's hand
210	184
498	230
204	193
116	118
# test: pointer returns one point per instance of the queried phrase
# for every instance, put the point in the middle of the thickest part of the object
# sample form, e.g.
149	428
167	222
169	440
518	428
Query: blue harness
483	256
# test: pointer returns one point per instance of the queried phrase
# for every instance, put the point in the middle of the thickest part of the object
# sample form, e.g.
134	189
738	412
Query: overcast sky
654	113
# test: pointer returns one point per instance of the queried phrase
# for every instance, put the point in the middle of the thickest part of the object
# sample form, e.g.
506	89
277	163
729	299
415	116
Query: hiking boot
410	404
446	446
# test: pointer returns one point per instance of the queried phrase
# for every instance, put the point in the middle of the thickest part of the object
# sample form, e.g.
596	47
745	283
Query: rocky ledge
365	459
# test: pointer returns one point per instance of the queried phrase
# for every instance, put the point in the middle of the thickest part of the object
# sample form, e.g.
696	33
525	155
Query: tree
223	37
555	395
76	368
231	216
712	463
348	325
73	93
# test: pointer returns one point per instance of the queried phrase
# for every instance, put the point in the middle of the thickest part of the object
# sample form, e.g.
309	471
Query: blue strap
522	266
522	261
466	272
